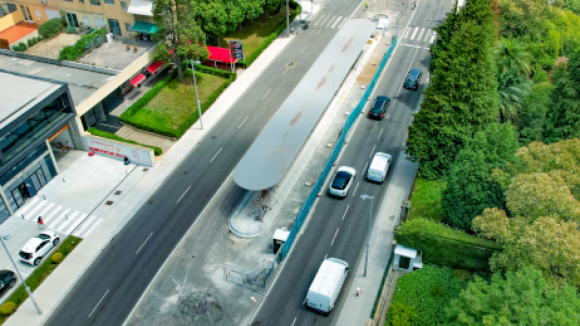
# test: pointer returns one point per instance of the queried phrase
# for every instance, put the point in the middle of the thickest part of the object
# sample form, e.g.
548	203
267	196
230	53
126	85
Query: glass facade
34	128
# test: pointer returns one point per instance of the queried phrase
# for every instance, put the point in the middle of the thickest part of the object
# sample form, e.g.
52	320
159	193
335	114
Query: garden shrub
7	308
401	315
57	258
210	70
158	151
51	28
20	47
445	246
85	43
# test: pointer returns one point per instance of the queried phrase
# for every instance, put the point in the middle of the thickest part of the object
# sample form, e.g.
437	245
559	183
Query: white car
342	181
38	247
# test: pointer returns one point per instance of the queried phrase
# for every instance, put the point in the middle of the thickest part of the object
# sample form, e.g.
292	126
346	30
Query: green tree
458	102
511	55
182	38
513	89
531	120
563	120
469	187
522	298
212	17
444	33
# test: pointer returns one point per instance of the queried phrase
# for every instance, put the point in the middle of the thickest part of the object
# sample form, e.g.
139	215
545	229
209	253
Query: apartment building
117	16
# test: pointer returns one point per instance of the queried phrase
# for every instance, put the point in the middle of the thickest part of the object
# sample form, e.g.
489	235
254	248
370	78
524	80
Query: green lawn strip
41	273
428	291
426	199
173	110
158	151
258	34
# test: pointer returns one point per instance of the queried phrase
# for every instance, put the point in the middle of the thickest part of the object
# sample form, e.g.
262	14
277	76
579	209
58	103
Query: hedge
51	28
84	44
158	151
442	245
140	103
253	56
20	47
209	70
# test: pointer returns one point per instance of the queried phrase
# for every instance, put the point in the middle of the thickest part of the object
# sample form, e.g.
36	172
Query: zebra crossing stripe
92	228
76	223
407	32
343	22
323	21
319	20
67	221
414	33
46	210
336	22
426	35
27	207
433	37
61	216
36	208
85	226
421	34
51	215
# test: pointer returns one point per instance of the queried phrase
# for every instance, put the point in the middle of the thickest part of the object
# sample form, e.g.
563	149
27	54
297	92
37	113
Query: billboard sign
236	50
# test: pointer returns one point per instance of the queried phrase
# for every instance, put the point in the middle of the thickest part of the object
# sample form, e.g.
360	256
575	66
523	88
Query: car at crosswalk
38	247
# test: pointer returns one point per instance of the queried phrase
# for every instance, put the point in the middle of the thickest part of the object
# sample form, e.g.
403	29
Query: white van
379	166
327	285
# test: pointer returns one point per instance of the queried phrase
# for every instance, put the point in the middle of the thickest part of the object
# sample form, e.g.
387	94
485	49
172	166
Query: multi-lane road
338	227
110	288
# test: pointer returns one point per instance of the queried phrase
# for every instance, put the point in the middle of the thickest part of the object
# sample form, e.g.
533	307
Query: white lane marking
325	256
320	30
295	319
342	24
373	150
240	126
407	33
52	214
67	221
334	236
327	22
46	209
91	229
421	34
144	243
415	46
347	206
76	223
304	49
61	216
35	209
268	92
30	205
85	225
216	154
355	189
427	35
410	64
414	33
380	133
367	164
388	116
186	190
285	71
433	37
304	302
98	303
336	22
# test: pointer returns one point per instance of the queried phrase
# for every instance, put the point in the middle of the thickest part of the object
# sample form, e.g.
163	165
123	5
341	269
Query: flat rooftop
14	33
81	83
18	93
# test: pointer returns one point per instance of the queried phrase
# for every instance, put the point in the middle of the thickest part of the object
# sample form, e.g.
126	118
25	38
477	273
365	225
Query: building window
109	2
82	2
11	7
123	4
38	15
95	2
128	27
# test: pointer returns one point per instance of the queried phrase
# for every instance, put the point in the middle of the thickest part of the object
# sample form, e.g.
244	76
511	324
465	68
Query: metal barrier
305	209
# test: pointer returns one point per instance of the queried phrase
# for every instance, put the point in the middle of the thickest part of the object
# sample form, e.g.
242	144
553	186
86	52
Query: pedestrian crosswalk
328	21
58	217
420	34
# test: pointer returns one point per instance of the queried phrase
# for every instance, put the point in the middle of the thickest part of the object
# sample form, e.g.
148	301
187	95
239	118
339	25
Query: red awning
137	80
219	54
155	67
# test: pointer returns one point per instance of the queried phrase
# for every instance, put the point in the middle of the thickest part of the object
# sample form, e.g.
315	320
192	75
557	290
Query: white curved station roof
271	154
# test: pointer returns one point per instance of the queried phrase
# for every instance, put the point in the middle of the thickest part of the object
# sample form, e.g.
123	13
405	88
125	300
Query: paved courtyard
115	55
51	48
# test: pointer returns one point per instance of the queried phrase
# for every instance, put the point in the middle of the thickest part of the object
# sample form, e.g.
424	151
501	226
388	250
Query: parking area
51	48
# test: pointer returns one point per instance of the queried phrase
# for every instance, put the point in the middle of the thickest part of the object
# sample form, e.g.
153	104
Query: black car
7	280
379	107
412	79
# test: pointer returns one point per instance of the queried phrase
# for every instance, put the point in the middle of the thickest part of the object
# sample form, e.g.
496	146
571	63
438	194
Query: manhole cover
291	64
109	202
118	192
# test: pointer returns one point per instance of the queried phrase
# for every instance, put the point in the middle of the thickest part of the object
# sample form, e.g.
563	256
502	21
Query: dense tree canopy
469	187
522	298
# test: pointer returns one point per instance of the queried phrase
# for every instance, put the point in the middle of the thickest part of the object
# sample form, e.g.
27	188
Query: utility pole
196	95
287	18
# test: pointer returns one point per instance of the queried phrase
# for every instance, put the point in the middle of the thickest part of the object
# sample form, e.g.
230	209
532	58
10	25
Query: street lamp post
365	197
287	18
196	95
19	275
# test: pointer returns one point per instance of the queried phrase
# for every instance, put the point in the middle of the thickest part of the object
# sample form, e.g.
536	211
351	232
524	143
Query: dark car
412	79
7	280
379	107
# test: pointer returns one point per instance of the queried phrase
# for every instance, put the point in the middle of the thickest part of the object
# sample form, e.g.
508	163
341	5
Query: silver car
342	181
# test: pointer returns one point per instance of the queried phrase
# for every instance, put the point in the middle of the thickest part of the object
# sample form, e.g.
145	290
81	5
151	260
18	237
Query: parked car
379	107
327	284
413	78
342	181
379	167
38	247
7	280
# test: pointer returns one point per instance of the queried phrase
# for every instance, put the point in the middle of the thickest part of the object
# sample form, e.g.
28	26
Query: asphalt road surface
110	288
338	227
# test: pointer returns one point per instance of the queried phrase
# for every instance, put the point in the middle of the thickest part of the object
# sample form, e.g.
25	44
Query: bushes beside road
158	151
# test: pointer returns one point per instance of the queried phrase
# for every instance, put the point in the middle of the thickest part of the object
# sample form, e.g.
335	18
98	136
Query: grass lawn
426	199
41	273
176	102
253	33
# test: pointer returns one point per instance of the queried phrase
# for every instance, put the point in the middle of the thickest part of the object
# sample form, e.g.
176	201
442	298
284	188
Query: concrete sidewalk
136	193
